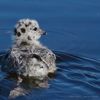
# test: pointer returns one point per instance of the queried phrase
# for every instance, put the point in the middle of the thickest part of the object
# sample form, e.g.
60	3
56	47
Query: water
73	34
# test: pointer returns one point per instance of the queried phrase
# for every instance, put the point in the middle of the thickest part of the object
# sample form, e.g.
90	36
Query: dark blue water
73	28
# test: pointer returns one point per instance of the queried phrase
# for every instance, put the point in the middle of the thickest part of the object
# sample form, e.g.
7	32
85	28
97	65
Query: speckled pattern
30	59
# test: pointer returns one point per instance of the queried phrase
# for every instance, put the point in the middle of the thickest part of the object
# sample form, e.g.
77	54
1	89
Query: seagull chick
28	57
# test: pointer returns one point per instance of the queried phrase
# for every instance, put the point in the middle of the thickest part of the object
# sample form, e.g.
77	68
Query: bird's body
28	60
28	57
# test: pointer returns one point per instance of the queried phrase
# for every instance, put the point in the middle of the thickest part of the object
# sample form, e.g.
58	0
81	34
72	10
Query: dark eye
35	29
15	31
22	30
18	34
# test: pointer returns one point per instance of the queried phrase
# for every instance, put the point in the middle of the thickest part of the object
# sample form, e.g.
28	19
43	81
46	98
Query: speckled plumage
27	56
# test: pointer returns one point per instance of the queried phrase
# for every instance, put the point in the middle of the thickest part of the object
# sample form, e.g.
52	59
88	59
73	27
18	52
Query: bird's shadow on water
73	73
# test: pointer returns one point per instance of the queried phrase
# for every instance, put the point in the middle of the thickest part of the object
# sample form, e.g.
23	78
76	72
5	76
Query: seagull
27	56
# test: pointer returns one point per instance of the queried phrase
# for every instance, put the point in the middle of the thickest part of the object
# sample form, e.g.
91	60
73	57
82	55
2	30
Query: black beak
44	33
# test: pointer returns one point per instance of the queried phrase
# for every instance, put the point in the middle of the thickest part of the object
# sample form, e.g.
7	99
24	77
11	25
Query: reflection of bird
28	57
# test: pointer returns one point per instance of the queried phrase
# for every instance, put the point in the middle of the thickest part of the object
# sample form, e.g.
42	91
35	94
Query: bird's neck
37	43
34	43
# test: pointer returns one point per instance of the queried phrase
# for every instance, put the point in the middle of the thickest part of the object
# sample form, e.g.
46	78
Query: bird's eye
23	30
15	31
35	29
18	34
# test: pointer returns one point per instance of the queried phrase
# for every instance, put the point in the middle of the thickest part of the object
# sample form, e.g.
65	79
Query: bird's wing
10	61
7	62
46	55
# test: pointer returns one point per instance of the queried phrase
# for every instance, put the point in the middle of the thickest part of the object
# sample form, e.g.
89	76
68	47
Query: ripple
76	76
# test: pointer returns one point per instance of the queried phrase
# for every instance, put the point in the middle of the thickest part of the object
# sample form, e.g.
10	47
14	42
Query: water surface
73	34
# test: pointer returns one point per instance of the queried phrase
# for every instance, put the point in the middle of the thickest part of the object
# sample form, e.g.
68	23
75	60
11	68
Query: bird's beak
43	32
